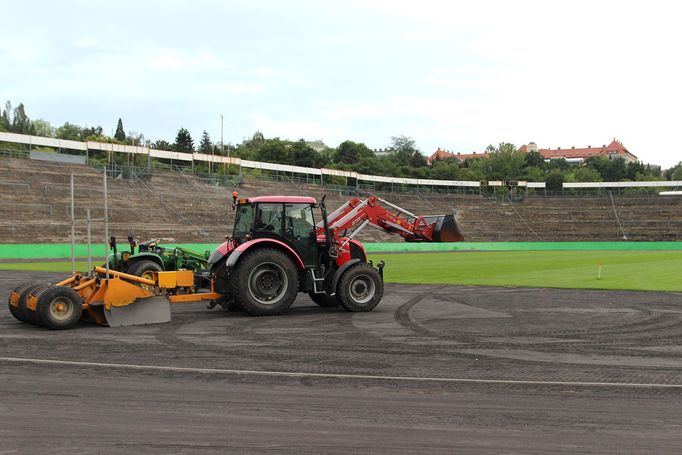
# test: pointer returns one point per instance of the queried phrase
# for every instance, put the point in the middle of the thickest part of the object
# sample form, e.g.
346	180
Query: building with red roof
615	149
442	154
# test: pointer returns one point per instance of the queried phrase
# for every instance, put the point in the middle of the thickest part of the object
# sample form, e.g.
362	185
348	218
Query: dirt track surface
431	370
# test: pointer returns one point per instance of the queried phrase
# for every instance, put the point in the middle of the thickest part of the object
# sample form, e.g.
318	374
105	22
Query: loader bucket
446	230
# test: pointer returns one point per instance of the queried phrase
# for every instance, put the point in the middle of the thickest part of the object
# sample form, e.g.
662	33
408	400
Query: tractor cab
287	219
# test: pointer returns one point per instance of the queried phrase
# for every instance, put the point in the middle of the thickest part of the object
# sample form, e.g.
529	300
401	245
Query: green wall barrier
63	250
521	246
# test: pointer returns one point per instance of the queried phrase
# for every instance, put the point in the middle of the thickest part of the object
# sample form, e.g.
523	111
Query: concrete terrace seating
35	208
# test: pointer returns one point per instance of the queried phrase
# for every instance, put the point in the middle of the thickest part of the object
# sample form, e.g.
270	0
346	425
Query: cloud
173	59
292	129
242	87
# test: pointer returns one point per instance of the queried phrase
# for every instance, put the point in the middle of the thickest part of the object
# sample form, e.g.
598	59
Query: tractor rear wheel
232	306
360	288
324	300
13	301
59	307
264	282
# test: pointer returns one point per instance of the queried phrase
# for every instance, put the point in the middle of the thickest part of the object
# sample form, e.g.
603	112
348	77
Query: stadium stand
35	208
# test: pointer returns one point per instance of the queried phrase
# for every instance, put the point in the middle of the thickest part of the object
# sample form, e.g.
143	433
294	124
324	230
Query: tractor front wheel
360	288
264	282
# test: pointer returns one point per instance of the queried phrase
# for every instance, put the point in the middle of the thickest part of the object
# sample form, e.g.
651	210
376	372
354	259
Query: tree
42	128
534	158
558	163
21	124
162	145
274	151
134	138
205	146
504	162
404	150
69	132
586	174
303	155
533	174
258	138
5	118
350	152
445	169
183	142
633	169
92	132
677	172
555	180
417	160
120	135
611	170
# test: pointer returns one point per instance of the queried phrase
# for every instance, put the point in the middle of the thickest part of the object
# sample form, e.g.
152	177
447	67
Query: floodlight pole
73	229
222	145
106	224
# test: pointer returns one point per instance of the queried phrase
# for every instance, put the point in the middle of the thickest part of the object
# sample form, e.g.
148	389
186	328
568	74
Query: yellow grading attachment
124	299
118	302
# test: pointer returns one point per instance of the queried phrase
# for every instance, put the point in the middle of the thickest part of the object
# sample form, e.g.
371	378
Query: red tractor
279	248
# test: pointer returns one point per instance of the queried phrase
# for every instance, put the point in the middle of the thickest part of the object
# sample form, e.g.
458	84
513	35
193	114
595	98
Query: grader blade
150	310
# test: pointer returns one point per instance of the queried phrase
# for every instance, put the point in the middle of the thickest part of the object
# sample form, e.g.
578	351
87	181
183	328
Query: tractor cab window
299	230
268	219
243	223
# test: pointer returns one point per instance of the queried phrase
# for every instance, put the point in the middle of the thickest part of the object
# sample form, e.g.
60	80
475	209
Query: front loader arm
358	213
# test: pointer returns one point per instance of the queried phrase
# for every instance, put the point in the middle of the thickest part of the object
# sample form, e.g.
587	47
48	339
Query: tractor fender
234	256
219	254
338	274
146	256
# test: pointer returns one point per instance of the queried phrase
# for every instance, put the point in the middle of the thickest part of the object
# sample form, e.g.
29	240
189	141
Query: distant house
317	145
615	149
383	152
442	154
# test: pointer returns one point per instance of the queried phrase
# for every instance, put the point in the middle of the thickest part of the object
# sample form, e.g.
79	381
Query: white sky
451	74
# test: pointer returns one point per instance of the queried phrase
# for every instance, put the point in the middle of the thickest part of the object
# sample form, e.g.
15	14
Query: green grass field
60	266
631	270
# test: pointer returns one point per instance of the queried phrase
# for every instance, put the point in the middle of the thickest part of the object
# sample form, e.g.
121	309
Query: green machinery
152	257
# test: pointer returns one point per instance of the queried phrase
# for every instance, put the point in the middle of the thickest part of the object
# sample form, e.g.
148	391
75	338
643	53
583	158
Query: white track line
334	375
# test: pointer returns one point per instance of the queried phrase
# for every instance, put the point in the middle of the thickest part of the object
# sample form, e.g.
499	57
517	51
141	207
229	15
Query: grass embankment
630	270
